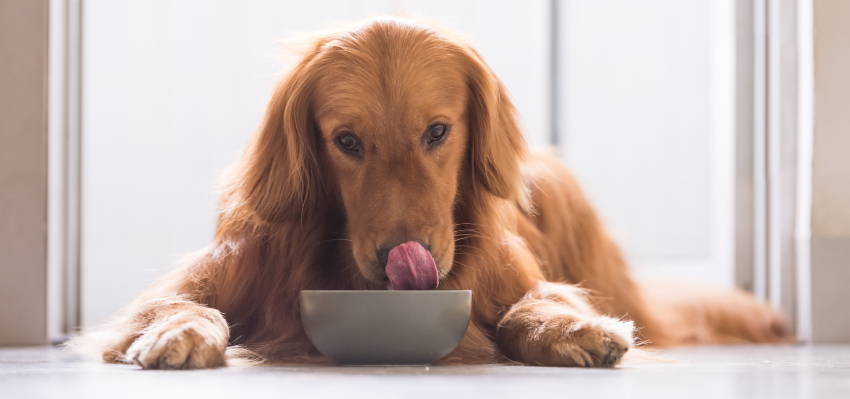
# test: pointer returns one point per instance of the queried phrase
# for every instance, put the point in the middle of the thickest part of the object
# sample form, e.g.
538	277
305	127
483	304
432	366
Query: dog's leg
169	333
475	348
572	245
554	325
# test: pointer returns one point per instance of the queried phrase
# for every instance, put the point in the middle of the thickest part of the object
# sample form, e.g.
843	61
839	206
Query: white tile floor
727	372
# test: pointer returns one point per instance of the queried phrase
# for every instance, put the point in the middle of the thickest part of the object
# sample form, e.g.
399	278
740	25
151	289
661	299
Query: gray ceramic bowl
385	327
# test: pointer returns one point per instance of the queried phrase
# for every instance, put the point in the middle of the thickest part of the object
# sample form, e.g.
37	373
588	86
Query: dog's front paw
595	342
184	340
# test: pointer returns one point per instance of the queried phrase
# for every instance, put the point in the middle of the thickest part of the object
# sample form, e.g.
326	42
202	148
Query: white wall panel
646	123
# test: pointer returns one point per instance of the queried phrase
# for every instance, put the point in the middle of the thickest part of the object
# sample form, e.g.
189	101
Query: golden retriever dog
390	157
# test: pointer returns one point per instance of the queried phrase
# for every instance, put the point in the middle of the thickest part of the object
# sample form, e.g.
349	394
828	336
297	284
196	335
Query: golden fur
299	213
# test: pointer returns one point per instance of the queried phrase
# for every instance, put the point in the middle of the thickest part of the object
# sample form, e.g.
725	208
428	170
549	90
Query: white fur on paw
596	342
179	342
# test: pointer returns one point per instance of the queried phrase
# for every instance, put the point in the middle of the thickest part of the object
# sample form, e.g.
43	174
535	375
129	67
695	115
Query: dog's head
392	123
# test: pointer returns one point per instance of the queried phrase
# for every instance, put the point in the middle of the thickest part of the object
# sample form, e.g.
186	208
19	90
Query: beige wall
831	172
831	210
23	171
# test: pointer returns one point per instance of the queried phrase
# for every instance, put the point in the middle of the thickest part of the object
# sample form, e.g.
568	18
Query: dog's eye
348	142
436	133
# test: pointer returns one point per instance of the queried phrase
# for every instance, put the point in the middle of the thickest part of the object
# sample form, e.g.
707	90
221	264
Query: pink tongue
411	267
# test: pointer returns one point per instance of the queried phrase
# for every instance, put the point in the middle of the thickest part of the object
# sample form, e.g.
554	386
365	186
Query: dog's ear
279	177
496	142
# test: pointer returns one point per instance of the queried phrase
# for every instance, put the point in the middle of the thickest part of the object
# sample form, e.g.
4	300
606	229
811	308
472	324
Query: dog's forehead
400	94
383	89
390	77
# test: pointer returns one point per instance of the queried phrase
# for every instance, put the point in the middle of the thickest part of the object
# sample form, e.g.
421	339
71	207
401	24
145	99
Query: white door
646	121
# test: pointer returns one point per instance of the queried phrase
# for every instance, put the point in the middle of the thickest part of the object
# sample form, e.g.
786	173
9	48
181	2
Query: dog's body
341	172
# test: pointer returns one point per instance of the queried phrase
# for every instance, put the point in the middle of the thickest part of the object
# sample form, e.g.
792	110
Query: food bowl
385	327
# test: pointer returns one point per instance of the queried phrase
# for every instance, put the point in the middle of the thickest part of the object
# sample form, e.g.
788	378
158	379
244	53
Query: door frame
773	155
64	160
